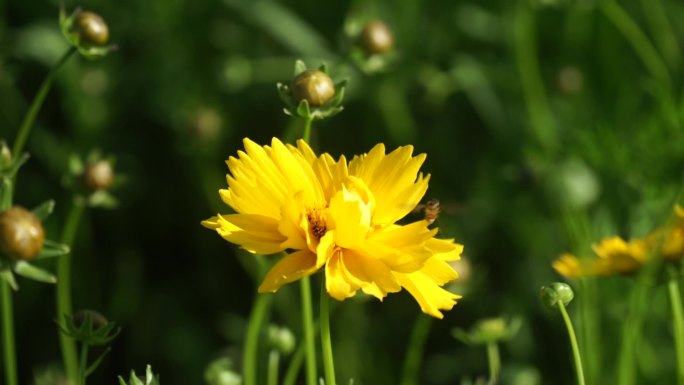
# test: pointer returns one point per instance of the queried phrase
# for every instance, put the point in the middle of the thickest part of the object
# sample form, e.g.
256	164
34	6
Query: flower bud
91	28
314	86
557	292
376	38
96	319
21	234
98	176
281	338
90	327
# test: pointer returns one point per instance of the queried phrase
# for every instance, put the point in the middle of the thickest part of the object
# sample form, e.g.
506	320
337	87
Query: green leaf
27	270
44	210
16	165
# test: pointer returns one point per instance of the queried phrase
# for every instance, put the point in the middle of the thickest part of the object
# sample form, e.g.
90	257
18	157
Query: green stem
307	130
414	350
8	344
326	344
636	37
661	28
250	353
677	321
273	363
83	364
307	323
573	343
33	110
64	308
494	360
295	365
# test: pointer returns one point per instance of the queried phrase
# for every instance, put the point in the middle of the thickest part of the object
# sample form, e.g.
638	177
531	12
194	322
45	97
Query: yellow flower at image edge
614	256
340	216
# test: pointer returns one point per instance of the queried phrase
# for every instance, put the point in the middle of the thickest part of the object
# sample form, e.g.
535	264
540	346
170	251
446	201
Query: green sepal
27	270
5	194
323	68
102	199
44	210
150	378
7	276
87	333
88	51
76	166
300	67
16	165
303	109
53	249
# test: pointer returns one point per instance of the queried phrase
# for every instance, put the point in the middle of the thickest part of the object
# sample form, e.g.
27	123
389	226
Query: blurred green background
547	125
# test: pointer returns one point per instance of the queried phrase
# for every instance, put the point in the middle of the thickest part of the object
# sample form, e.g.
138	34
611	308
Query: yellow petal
427	293
349	217
375	277
255	233
336	282
290	268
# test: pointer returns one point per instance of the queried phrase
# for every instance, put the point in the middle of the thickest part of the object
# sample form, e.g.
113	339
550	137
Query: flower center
316	220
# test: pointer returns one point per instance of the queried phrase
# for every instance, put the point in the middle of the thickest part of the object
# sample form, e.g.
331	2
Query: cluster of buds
87	32
92	179
312	94
489	330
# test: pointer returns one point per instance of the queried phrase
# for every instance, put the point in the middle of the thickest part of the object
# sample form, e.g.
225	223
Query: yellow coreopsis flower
614	255
340	216
670	238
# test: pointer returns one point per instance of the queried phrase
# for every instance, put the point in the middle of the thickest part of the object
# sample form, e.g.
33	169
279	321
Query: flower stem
307	130
295	365
8	344
573	343
307	324
326	344
83	365
677	321
32	112
273	363
494	360
414	351
64	307
250	353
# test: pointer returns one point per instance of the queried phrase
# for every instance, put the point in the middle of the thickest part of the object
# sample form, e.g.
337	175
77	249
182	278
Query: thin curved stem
273	364
37	102
414	350
326	343
677	322
308	330
573	342
83	365
8	344
250	352
63	292
494	361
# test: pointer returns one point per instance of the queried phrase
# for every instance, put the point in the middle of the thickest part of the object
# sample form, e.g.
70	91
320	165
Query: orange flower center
316	220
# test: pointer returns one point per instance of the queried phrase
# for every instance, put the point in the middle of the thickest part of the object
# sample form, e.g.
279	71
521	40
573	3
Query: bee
431	210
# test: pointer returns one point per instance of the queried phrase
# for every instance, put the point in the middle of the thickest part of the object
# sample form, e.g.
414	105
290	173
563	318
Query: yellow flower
613	256
338	216
670	238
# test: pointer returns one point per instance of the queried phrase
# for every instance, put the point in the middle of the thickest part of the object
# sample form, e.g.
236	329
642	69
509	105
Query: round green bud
91	28
21	234
98	176
281	338
557	292
376	38
314	86
97	320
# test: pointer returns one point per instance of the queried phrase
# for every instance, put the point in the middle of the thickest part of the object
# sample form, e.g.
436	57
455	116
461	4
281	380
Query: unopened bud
314	86
555	293
91	28
96	319
376	38
21	234
281	338
98	176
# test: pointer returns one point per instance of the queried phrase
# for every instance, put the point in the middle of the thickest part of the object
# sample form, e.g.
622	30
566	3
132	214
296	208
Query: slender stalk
8	344
295	365
414	350
83	365
251	350
307	130
33	110
273	363
64	308
308	331
636	37
661	28
494	360
326	344
573	343
677	321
